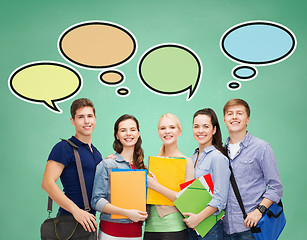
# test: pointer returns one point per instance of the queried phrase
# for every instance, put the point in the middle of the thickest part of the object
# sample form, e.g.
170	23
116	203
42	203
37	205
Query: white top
233	149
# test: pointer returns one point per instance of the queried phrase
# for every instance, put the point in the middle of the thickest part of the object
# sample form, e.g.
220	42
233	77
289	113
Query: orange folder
128	189
170	172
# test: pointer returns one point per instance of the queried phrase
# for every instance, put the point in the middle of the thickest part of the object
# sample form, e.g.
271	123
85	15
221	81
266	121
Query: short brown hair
80	103
236	101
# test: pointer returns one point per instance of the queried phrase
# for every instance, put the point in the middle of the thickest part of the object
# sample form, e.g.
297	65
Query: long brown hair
217	137
138	154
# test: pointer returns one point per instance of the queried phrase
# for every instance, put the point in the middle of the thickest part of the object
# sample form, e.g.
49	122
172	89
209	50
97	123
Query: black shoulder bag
66	227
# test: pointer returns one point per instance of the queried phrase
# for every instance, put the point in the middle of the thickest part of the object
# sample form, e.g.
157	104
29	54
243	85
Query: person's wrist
126	213
74	209
156	186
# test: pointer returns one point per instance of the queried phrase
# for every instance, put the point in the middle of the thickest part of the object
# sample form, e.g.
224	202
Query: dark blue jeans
215	233
246	235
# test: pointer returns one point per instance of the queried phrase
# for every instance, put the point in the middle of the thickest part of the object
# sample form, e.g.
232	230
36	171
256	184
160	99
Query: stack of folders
128	189
194	198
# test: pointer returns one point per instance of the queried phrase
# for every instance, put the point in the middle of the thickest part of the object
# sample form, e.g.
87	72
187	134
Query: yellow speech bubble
97	44
45	83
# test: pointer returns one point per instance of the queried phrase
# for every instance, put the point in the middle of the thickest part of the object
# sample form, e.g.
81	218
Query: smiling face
84	122
203	130
168	130
127	133
236	119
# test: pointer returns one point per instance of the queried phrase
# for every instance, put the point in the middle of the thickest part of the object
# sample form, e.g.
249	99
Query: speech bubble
123	92
258	43
97	44
244	73
45	83
233	85
112	77
170	69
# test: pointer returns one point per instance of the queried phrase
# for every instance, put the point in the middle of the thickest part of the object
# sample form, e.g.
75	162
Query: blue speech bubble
258	43
244	73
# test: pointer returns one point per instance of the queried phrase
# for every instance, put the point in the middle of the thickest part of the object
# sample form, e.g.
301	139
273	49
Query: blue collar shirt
211	161
256	173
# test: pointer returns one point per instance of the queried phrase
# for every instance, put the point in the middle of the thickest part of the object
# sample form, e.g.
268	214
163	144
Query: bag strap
236	191
235	188
238	195
55	223
81	179
271	214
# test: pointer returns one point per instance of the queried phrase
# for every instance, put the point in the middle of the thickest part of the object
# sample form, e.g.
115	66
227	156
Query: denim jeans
215	233
246	235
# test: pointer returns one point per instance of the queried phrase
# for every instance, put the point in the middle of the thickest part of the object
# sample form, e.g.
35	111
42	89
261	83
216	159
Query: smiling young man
255	170
61	164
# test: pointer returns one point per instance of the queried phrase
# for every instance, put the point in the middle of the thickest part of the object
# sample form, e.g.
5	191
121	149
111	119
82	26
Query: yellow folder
170	172
128	189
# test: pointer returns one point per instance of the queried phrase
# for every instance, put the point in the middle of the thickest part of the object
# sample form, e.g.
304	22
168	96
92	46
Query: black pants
181	235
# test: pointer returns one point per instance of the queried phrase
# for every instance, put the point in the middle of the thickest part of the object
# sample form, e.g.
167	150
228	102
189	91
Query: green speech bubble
45	83
170	69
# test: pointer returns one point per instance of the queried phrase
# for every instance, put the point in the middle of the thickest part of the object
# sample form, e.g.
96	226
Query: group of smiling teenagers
252	160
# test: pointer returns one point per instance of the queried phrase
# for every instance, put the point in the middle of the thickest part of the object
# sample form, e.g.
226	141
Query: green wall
29	33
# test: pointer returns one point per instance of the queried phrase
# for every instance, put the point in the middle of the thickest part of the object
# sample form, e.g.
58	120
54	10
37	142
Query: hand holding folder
193	200
128	189
170	172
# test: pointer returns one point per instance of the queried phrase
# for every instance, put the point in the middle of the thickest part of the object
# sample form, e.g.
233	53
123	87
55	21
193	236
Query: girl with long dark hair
209	158
129	155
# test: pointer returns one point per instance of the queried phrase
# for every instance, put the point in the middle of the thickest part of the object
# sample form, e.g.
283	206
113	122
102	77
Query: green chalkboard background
30	31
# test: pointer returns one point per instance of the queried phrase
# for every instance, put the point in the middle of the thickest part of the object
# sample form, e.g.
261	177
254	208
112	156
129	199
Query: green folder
193	200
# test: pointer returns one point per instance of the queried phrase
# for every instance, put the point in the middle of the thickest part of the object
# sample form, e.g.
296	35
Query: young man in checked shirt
255	170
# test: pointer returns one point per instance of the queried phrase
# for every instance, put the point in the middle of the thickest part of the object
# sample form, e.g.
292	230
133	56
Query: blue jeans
215	233
246	235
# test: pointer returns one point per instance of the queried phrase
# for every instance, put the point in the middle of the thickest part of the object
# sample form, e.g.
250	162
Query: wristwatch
262	208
